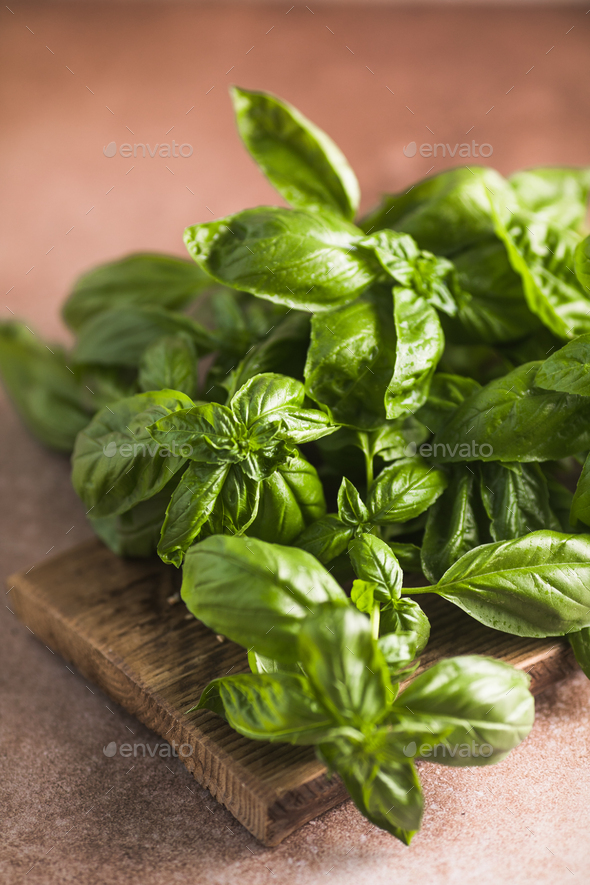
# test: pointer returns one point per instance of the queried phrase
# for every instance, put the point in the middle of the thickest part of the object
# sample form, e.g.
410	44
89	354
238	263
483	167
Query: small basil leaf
170	363
405	617
420	343
404	490
256	594
446	393
290	499
399	651
516	499
305	425
189	509
351	508
373	560
537	585
269	707
362	595
300	160
326	538
116	464
264	396
568	369
205	432
240	496
299	258
486	702
580	642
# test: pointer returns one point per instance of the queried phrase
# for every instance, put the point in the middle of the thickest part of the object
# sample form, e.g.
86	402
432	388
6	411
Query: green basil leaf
299	258
362	595
118	337
170	363
510	419
351	359
580	505
256	594
135	281
240	496
373	560
404	617
486	702
326	538
568	369
116	464
580	642
345	668
269	707
351	508
558	193
445	394
420	343
290	499
399	651
300	160
264	396
404	490
46	394
204	432
451	525
516	499
305	425
537	585
582	264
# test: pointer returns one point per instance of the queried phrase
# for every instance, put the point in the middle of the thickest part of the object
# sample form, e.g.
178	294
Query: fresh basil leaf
558	193
206	432
399	651
351	359
300	160
510	419
261	664
303	259
516	499
568	369
118	337
45	392
290	499
420	343
487	704
362	595
264	396
305	425
351	508
373	560
537	585
116	464
269	707
404	617
404	490
240	497
326	538
256	594
580	642
580	505
140	280
345	668
170	363
445	394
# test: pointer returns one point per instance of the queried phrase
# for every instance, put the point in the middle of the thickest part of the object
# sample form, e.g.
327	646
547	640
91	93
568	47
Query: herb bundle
410	393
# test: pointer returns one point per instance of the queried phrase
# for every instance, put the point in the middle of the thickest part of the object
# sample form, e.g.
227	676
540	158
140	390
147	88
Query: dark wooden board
113	620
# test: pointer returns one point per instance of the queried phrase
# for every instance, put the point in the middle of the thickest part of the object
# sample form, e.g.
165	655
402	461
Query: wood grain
116	621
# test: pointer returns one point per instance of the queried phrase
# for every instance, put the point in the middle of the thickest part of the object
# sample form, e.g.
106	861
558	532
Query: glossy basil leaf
580	642
305	425
351	359
206	432
256	594
420	343
261	664
134	281
240	496
345	668
264	396
387	792
362	595
303	259
300	160
269	707
351	509
373	560
516	499
404	490
189	509
46	394
170	363
568	369
580	505
451	525
290	499
558	193
537	585
326	538
510	419
486	702
405	617
445	394
116	464
118	337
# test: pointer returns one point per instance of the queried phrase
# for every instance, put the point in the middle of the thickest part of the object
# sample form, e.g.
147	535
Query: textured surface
68	812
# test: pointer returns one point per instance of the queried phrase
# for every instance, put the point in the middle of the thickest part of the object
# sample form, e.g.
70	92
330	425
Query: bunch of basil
423	374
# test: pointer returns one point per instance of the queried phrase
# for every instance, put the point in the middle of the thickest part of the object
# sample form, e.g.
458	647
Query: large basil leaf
485	702
516	499
326	538
269	707
256	593
373	560
290	499
510	419
580	642
420	343
135	281
351	359
568	369
116	464
170	363
538	585
46	394
304	165
557	193
404	490
299	258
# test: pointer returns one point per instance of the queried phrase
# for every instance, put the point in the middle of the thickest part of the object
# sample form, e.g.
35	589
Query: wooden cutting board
118	622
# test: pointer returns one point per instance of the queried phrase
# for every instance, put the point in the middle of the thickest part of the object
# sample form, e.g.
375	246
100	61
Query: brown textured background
67	812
